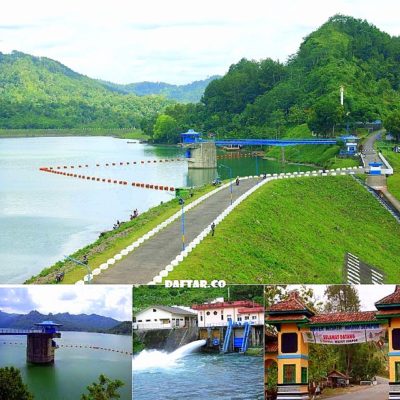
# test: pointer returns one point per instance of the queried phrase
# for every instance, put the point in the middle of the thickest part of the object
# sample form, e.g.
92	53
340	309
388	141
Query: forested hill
70	322
37	92
265	98
189	93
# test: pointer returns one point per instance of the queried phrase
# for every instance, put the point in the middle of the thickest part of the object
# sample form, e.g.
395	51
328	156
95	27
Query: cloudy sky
109	301
176	41
369	294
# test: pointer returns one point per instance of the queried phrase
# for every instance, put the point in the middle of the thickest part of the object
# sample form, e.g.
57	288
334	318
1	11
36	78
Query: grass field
393	181
298	231
113	241
324	156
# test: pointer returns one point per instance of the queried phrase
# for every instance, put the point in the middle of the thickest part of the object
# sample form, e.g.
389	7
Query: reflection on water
203	376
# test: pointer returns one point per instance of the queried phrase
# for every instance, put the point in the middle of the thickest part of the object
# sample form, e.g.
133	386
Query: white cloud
110	301
175	41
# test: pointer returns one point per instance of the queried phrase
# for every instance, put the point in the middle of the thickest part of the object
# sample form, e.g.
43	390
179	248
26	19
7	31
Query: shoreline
123	133
111	242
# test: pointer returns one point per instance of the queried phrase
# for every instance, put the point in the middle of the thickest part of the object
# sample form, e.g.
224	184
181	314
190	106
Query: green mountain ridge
188	93
266	98
37	92
70	322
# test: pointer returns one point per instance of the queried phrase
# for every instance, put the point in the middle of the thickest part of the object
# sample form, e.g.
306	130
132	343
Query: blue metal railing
273	142
227	338
246	335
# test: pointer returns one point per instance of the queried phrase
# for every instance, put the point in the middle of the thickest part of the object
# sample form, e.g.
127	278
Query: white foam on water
148	359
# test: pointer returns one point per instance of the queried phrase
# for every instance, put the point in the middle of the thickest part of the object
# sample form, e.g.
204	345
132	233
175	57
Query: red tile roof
286	317
271	347
226	304
382	313
293	303
393	298
249	310
332	318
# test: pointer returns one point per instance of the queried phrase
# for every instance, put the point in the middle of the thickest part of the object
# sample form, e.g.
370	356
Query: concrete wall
203	155
154	318
167	339
256	338
219	317
39	349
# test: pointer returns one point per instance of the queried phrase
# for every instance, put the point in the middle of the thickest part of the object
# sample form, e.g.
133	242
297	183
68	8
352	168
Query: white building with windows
218	313
164	317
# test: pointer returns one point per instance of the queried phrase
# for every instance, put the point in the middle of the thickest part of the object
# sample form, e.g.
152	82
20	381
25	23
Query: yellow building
297	325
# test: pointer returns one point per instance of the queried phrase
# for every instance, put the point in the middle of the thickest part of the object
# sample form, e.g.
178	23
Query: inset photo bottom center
198	343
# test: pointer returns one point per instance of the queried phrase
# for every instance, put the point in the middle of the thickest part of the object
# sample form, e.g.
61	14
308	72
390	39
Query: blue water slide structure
246	336
227	338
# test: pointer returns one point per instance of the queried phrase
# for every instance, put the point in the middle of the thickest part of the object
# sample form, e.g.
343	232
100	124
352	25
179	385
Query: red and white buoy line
235	155
117	164
64	170
18	343
77	346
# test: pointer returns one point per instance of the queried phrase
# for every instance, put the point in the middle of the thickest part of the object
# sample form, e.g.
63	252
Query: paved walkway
140	266
378	392
377	182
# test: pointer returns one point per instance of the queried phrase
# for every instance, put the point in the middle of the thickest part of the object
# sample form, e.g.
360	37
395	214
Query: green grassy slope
324	156
393	181
297	231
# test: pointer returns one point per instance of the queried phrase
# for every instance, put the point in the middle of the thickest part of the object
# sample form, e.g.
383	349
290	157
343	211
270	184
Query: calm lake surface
44	217
74	369
202	376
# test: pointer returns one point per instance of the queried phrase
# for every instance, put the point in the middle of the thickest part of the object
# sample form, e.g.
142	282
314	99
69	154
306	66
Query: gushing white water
160	359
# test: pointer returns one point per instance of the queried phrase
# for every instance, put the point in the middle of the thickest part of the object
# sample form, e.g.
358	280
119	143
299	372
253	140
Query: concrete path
369	153
377	182
140	266
378	392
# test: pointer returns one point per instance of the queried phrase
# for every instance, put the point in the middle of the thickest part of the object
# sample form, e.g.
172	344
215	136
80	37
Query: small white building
164	317
218	313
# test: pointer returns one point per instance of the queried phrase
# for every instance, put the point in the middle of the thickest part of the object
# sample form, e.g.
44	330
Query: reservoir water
200	376
74	368
46	216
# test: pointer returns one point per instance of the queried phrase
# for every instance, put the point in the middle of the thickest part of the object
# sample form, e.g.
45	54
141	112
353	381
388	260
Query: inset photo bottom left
68	342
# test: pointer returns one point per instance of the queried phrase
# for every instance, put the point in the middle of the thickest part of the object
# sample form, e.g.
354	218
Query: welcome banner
344	336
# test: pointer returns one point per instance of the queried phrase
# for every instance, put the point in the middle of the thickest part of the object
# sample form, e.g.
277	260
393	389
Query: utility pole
341	95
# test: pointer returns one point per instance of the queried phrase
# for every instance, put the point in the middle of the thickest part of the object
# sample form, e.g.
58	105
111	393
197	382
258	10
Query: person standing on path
212	229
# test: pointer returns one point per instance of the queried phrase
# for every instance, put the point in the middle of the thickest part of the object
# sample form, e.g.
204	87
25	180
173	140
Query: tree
165	129
327	113
342	298
392	124
12	386
106	389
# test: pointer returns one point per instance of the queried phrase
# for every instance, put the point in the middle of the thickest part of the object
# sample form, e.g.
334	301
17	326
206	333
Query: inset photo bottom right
338	341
